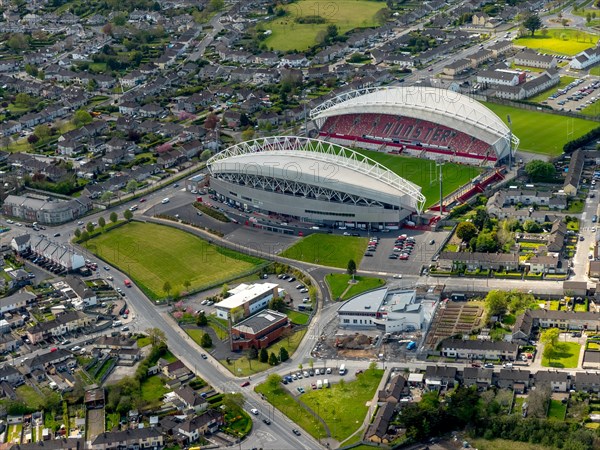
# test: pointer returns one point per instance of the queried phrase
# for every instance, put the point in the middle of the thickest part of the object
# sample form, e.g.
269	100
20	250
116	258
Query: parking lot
576	96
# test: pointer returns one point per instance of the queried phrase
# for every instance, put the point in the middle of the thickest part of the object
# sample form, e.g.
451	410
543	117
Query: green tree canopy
496	303
128	215
263	356
351	268
273	361
540	170
533	23
81	117
466	231
113	217
201	321
283	354
101	222
206	341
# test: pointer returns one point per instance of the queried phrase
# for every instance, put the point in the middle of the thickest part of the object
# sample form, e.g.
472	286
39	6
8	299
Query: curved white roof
318	163
436	105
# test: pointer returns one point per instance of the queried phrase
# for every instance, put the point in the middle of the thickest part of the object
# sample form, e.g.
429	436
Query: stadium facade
313	181
417	121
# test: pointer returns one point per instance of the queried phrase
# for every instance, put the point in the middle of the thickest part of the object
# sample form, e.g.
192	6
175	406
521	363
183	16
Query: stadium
313	181
416	121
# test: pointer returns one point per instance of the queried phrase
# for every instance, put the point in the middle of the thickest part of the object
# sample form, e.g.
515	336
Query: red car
245	383
142	200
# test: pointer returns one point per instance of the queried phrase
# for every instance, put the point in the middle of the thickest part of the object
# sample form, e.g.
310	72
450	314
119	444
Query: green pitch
422	173
542	132
559	41
288	34
154	254
328	250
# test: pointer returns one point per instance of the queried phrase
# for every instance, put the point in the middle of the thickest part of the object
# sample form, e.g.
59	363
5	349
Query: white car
254	411
165	200
398	276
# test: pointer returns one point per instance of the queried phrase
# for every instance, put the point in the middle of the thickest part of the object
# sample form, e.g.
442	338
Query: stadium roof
318	163
436	105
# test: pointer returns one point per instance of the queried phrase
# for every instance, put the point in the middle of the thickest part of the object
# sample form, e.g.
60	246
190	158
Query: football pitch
422	172
542	132
154	254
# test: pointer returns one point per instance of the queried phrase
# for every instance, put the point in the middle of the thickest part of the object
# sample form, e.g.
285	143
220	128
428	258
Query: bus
343	369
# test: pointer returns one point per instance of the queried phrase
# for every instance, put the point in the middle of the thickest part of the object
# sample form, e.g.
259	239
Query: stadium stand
409	135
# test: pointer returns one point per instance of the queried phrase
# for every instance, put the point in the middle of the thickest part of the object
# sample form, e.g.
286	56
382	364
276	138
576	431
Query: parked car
245	383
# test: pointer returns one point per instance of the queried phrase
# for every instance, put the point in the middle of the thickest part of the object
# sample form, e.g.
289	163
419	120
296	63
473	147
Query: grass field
422	171
566	356
559	41
332	404
595	71
242	367
153	388
557	410
154	254
30	396
328	250
541	132
297	317
338	283
502	444
287	34
548	92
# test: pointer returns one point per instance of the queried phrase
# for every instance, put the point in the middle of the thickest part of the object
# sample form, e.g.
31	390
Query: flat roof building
246	299
259	330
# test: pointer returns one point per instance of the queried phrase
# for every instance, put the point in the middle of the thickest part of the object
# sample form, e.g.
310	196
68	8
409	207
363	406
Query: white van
165	200
343	369
117	324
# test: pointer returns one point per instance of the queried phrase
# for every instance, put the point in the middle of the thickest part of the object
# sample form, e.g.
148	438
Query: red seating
430	137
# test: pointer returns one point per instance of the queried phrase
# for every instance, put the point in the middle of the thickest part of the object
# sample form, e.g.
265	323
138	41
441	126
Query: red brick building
259	330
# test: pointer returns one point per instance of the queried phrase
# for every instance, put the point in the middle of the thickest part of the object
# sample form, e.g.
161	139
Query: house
571	183
294	60
207	423
479	261
85	295
546	264
20	243
501	47
518	380
587	381
440	377
479	57
151	110
522	328
456	67
94	398
477	376
132	438
575	288
63	323
477	349
530	58
378	429
566	320
18	300
500	77
169	159
11	375
396	389
585	59
232	119
557	381
594	269
191	399
176	370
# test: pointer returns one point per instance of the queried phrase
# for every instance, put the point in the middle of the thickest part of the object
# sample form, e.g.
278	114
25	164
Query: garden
341	289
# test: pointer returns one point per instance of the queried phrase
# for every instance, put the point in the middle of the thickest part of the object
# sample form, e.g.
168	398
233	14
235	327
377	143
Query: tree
18	42
101	222
216	5
33	139
206	341
131	186
466	231
332	31
486	242
550	336
90	227
156	335
538	400
351	268
107	29
540	170
481	218
277	304
531	226
105	198
274	379
128	215
496	303
201	321
77	233
211	121
533	23
84	236
205	155
225	290
283	354
247	134
42	131
167	287
252	353
113	217
24	100
263	356
273	361
81	117
187	284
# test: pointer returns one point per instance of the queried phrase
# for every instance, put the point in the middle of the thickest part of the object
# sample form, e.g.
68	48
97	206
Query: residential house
557	381
568	320
61	324
479	261
501	47
85	295
169	159
440	377
207	423
585	59
175	370
571	183
500	77
479	57
518	380
546	264
377	431
477	376
135	438
396	389
522	328
530	58
594	269
20	243
191	399
456	67
11	375
191	149
477	349
587	381
17	301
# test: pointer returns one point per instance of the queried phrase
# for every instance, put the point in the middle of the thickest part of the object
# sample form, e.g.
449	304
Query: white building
586	58
393	311
57	253
246	300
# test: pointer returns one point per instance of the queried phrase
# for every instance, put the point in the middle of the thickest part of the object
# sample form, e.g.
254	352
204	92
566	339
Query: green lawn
542	132
422	172
219	331
338	283
297	317
112	420
143	341
284	402
195	334
242	367
30	396
153	388
288	34
564	81
154	254
14	432
328	250
566	356
595	71
557	410
559	41
332	404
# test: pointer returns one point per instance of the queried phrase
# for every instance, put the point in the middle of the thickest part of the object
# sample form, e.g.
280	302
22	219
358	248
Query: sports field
154	254
328	250
288	34
422	173
542	132
559	41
